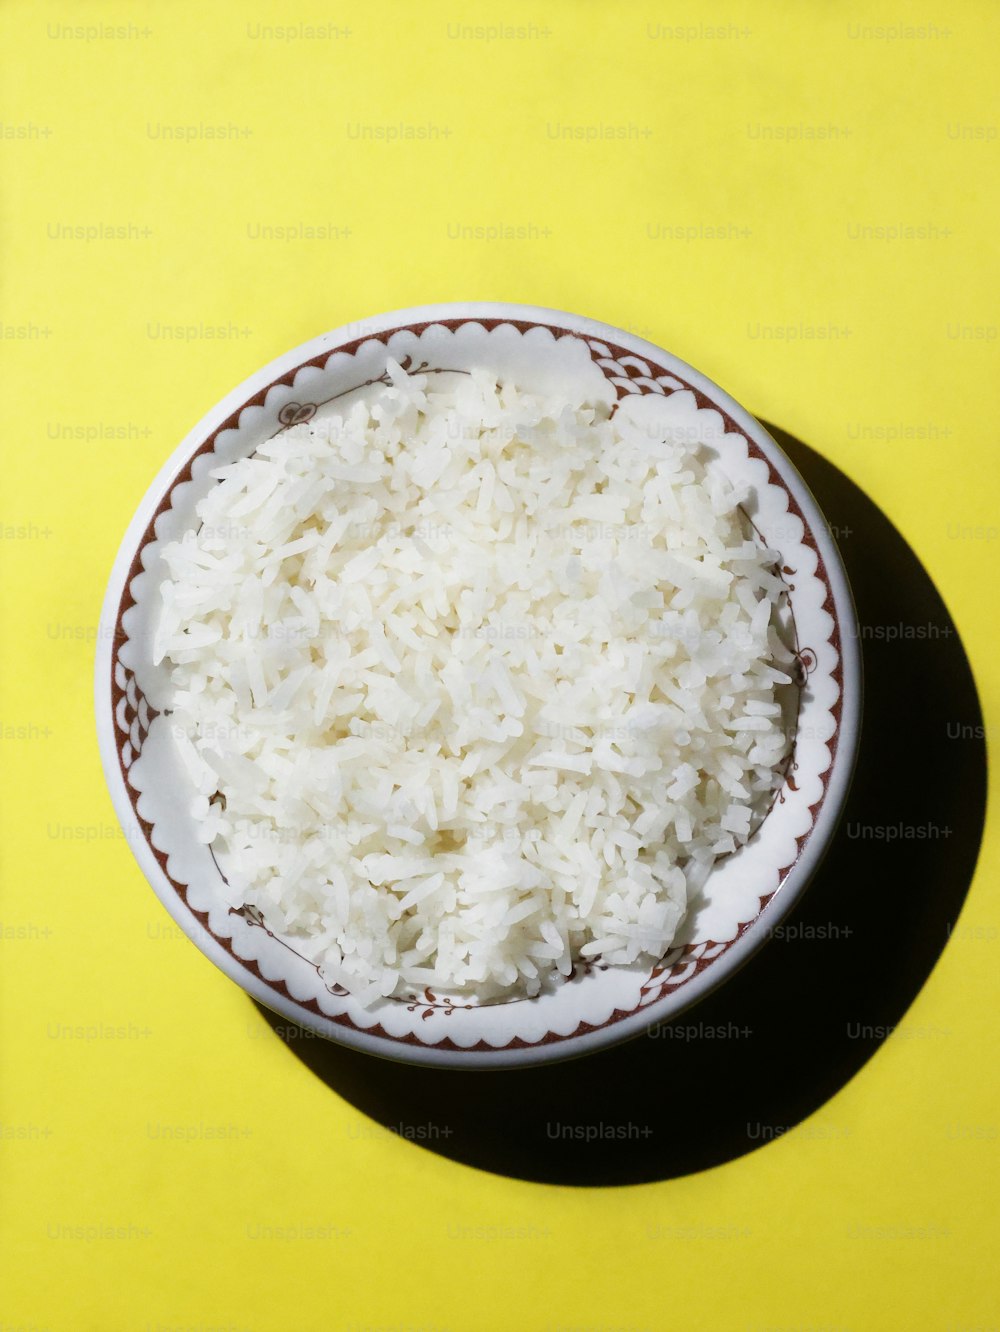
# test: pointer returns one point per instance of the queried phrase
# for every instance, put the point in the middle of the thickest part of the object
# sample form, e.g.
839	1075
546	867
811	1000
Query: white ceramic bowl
746	895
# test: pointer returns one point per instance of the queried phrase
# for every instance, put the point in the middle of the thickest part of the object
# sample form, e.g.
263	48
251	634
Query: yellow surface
888	130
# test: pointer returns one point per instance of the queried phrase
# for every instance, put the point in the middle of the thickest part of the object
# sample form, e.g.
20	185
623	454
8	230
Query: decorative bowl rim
837	779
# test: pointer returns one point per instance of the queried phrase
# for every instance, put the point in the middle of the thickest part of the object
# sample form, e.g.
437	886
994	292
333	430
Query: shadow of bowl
789	1030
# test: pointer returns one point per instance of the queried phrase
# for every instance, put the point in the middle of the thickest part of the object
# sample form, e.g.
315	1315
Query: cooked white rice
473	684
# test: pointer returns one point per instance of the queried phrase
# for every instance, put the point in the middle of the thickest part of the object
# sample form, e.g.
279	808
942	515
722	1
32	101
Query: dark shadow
787	1032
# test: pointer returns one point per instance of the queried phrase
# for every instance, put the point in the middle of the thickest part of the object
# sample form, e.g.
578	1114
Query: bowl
747	894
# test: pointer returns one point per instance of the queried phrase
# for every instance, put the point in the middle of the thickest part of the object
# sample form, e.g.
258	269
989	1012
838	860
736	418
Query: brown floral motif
431	1003
254	918
589	965
294	413
805	664
411	367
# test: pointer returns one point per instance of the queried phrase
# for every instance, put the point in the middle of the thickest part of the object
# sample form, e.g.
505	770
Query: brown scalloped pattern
133	716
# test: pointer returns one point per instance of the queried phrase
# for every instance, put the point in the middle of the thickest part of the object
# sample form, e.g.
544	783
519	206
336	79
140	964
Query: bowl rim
837	778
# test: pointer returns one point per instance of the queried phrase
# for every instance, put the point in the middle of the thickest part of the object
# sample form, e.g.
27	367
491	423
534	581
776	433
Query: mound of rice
473	684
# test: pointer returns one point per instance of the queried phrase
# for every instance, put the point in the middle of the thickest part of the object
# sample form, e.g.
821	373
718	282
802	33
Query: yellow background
765	238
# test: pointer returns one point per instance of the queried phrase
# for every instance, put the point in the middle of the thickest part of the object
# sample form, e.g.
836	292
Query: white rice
473	684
